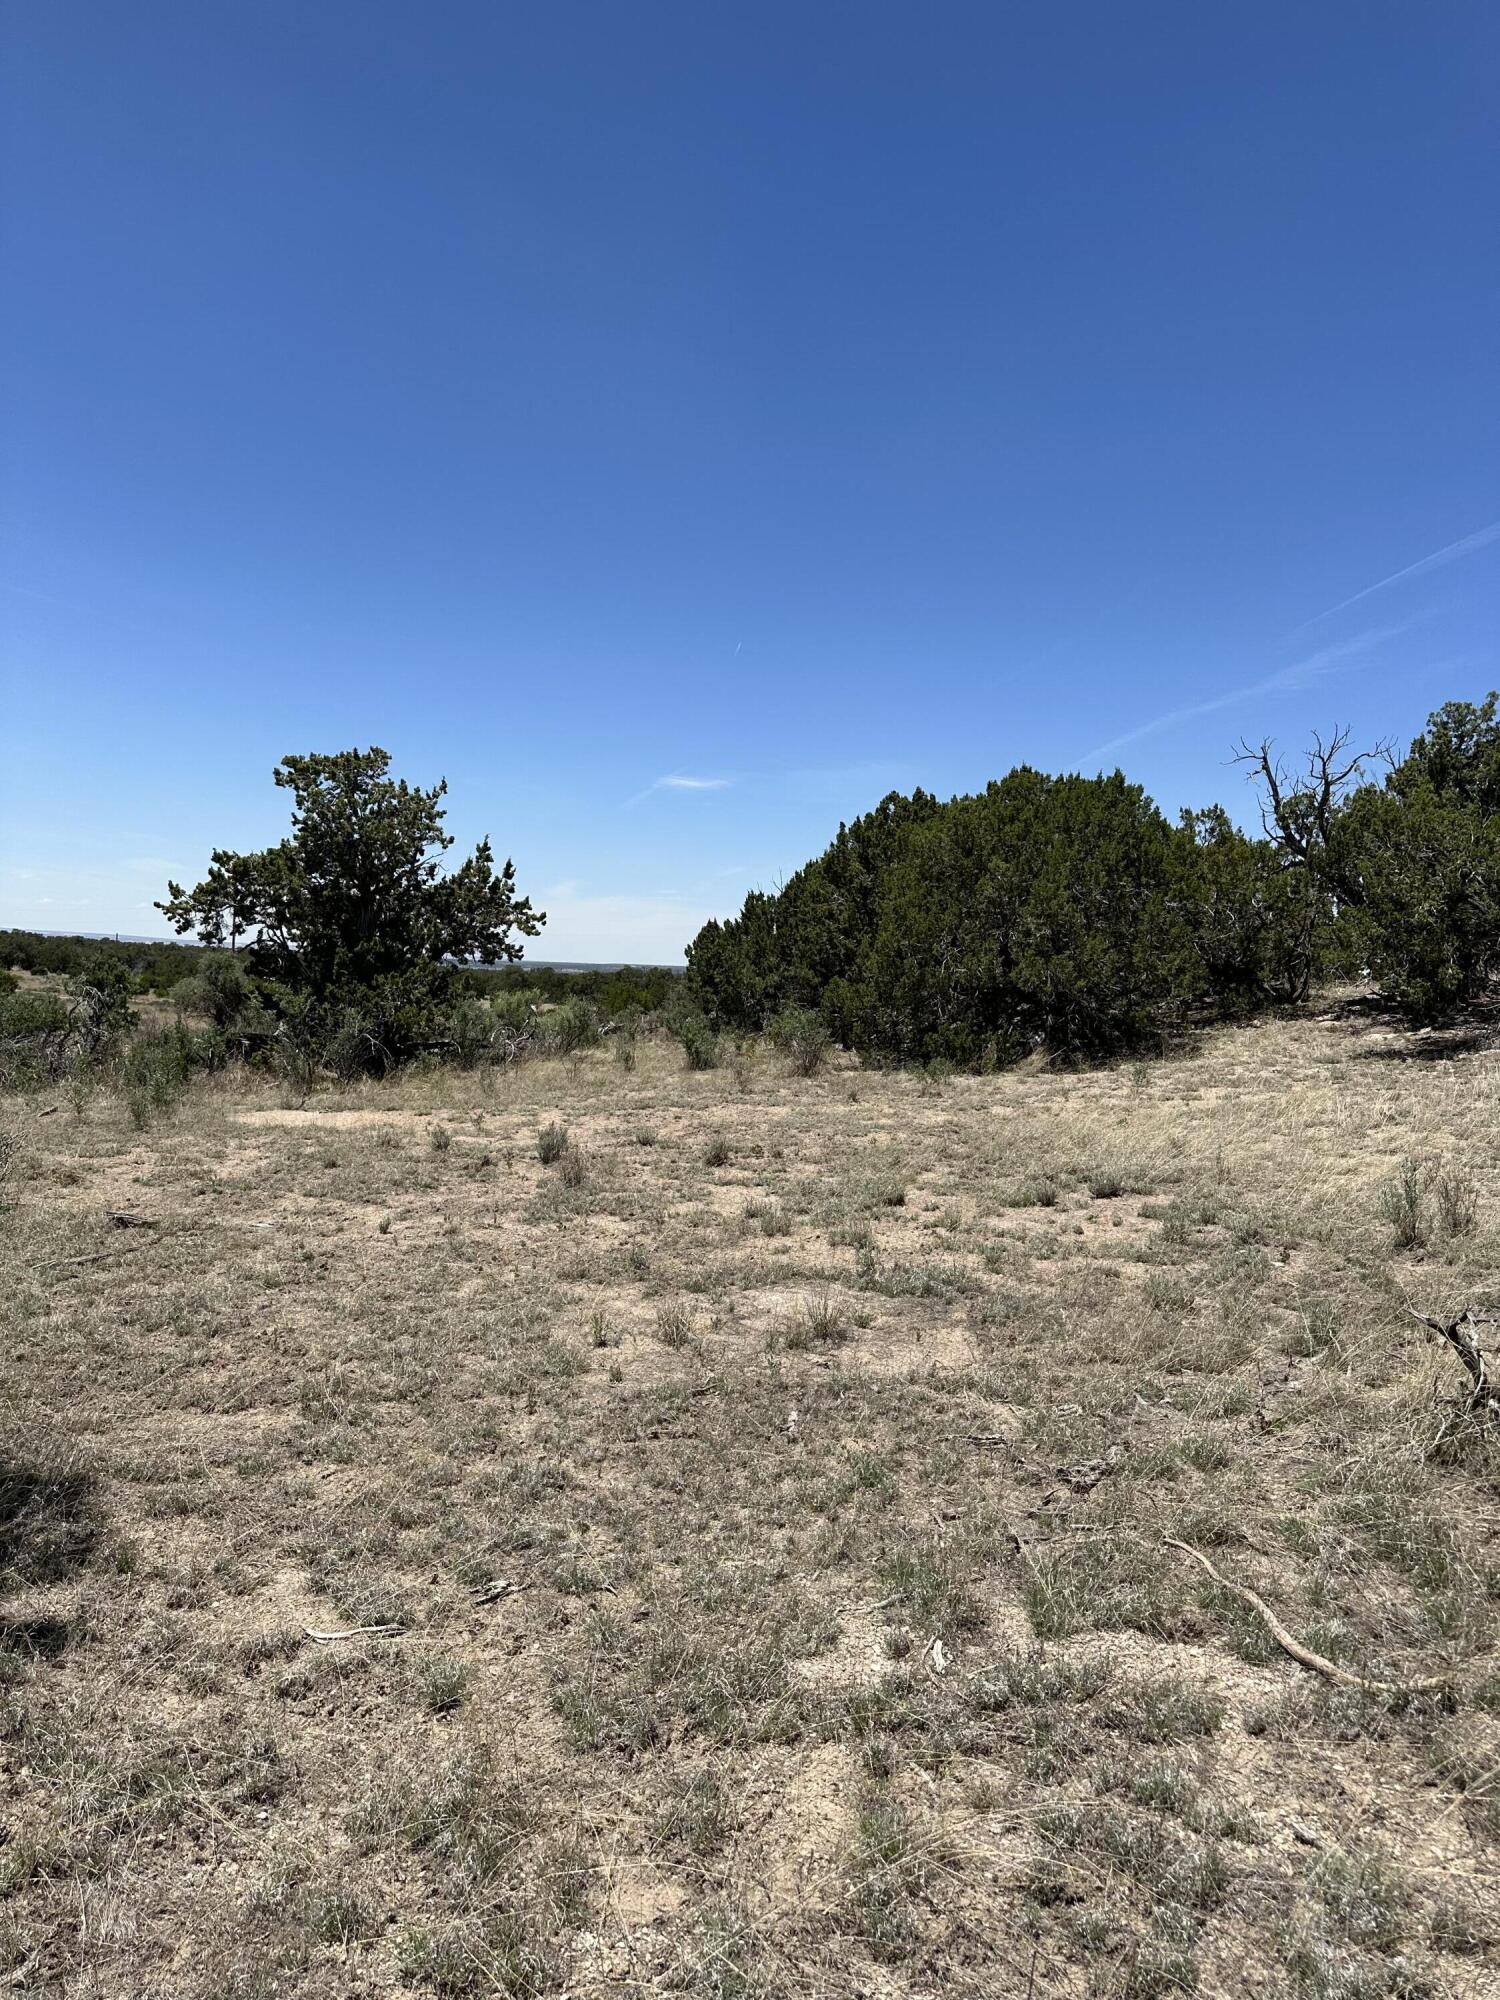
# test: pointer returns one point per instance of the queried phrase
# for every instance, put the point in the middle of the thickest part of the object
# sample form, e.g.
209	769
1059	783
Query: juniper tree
354	910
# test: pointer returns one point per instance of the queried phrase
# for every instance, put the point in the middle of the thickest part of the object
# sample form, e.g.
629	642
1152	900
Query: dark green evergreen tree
353	917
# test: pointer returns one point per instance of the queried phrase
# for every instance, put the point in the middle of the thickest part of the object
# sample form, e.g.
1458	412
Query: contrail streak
1466	545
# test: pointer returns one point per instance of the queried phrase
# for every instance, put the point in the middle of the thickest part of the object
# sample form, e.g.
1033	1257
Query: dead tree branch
1298	809
1461	1336
1303	1655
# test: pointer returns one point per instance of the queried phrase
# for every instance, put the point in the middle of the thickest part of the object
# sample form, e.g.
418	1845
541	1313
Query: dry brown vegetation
760	1485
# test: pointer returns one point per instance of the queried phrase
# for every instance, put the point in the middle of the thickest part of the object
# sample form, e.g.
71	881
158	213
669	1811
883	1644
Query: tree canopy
353	929
1057	912
1066	913
357	893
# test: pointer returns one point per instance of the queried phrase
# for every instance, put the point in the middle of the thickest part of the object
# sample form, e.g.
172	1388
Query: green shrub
156	1070
35	1039
573	1026
1403	1203
699	1042
801	1036
222	990
1043	912
1457	1197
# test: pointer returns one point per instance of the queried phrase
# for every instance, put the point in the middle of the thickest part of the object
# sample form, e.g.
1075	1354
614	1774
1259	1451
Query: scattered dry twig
94	1256
1303	1655
495	1589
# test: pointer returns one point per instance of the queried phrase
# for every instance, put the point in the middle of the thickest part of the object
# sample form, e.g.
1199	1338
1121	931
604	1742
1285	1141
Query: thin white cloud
676	782
1301	673
1466	545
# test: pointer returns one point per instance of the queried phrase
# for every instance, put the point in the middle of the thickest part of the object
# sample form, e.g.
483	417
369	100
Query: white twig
1304	1655
357	1632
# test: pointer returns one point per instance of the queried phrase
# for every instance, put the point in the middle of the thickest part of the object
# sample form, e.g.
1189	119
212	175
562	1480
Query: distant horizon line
191	944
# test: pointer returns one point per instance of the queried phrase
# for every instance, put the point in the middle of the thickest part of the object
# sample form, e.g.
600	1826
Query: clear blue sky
804	400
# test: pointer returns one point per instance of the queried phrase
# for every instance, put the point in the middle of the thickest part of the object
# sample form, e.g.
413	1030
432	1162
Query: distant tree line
1069	914
149	967
626	989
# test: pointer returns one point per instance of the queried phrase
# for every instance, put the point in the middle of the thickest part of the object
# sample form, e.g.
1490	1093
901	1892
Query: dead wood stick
356	1632
94	1256
120	1249
1303	1655
1460	1336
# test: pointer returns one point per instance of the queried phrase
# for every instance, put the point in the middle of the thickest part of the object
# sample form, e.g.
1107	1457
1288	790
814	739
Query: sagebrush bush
551	1143
574	1025
801	1036
1403	1203
1457	1198
157	1068
699	1042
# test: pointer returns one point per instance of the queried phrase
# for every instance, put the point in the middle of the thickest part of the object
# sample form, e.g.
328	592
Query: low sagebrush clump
800	1035
1403	1203
552	1143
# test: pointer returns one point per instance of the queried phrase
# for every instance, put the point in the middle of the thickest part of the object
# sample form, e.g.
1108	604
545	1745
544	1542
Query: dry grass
818	1435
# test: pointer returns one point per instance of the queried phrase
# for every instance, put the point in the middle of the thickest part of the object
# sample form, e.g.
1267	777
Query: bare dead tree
1298	808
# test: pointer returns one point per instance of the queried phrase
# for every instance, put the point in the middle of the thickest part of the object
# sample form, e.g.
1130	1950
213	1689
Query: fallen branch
94	1256
495	1589
151	1234
1460	1336
1303	1655
356	1632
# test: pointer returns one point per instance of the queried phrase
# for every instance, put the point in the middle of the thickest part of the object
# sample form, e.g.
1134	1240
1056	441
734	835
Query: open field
768	1493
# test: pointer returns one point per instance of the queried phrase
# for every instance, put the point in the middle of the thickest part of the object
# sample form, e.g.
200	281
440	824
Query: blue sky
797	400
